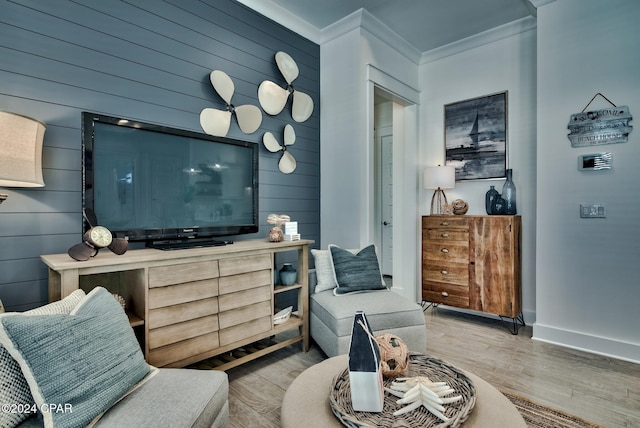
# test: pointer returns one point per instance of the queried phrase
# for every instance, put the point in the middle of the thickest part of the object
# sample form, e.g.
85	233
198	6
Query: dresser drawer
445	222
450	273
251	263
239	299
245	330
183	312
160	276
159	337
245	281
184	349
182	293
451	251
453	295
448	234
244	314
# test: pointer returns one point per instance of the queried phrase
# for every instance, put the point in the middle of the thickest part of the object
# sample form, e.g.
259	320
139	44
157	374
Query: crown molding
285	18
362	19
538	3
507	30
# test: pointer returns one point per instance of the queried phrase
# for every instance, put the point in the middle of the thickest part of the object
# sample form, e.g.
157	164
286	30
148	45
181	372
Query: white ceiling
425	24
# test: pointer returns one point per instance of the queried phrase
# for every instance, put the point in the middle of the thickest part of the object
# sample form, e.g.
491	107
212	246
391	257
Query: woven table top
419	365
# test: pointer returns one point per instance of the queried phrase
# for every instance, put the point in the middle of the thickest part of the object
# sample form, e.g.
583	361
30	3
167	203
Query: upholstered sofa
332	313
103	380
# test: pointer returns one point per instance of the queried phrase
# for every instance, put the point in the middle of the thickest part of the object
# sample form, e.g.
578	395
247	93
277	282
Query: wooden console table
192	304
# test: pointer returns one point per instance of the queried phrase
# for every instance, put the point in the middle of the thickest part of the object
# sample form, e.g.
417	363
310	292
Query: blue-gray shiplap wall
147	60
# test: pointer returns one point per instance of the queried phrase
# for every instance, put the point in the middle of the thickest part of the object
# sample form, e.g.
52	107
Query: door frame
405	179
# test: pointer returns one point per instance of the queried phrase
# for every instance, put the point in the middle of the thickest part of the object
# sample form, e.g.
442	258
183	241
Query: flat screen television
168	187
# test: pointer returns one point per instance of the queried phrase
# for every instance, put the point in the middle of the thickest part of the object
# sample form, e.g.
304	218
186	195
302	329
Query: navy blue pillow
356	272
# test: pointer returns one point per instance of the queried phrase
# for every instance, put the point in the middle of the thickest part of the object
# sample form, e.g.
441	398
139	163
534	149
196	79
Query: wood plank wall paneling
147	60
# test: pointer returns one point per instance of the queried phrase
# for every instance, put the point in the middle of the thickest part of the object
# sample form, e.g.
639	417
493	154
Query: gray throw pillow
86	361
356	272
14	388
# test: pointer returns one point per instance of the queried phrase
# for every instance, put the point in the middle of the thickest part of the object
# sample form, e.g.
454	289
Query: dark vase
497	207
509	195
488	199
288	274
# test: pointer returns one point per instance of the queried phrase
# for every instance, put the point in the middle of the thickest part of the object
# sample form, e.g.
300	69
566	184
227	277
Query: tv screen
163	185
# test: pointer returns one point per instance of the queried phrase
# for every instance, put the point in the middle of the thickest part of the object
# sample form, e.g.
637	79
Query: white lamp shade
20	151
439	177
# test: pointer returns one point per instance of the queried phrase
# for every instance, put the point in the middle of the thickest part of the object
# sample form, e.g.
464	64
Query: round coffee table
306	402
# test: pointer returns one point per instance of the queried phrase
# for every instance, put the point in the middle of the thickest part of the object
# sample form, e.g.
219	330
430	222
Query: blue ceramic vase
288	274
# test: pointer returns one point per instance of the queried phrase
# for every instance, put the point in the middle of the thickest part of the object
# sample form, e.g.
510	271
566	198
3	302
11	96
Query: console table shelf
189	305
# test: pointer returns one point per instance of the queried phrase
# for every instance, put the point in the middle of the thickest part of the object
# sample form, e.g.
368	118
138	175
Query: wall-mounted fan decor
273	98
287	163
217	122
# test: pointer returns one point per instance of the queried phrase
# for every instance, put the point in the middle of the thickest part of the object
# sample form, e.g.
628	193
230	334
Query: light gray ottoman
331	318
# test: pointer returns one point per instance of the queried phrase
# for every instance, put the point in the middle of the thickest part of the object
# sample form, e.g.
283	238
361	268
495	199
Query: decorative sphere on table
394	354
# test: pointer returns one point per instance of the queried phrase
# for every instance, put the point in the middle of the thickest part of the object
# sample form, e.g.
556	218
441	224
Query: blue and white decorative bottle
509	194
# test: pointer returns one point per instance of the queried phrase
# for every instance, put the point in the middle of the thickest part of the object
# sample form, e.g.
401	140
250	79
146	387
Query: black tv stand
179	244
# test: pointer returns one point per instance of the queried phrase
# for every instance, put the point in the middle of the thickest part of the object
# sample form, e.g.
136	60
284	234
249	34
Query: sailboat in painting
472	145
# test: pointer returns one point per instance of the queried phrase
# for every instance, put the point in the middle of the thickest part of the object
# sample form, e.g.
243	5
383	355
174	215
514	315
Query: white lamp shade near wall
439	177
20	151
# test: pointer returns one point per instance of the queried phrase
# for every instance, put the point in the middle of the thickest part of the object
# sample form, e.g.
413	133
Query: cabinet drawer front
186	272
182	293
163	336
451	273
236	265
446	235
244	314
437	297
245	281
244	330
231	301
186	311
456	251
441	222
178	351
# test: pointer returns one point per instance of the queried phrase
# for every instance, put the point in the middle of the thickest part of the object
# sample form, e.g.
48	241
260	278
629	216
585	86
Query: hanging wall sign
605	126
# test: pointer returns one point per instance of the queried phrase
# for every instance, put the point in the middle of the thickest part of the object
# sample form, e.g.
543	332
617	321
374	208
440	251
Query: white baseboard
588	343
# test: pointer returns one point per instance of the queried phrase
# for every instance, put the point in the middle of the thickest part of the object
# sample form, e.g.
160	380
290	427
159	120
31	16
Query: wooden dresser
192	304
473	262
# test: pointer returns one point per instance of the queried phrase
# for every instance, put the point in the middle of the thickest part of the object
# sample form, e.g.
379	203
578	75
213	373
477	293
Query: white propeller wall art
287	163
217	122
273	98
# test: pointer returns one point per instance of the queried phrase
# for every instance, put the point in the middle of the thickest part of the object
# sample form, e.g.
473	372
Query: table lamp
439	178
20	151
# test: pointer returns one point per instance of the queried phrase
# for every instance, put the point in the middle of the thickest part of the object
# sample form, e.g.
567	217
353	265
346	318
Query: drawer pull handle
444	235
445	272
445	294
444	223
445	250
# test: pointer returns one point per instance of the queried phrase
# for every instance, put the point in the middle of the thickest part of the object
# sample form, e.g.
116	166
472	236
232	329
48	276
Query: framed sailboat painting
475	137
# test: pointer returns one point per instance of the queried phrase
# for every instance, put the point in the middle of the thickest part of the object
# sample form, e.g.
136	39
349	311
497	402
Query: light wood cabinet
473	262
192	304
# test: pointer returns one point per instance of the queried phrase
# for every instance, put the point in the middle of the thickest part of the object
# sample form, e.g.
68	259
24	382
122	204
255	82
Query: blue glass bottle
488	199
509	194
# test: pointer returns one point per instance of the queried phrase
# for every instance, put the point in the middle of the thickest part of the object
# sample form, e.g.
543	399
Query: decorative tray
419	365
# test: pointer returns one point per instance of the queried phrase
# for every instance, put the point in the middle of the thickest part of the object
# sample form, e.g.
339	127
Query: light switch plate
593	211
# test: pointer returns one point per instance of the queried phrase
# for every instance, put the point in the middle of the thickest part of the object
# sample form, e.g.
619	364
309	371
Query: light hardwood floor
600	389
